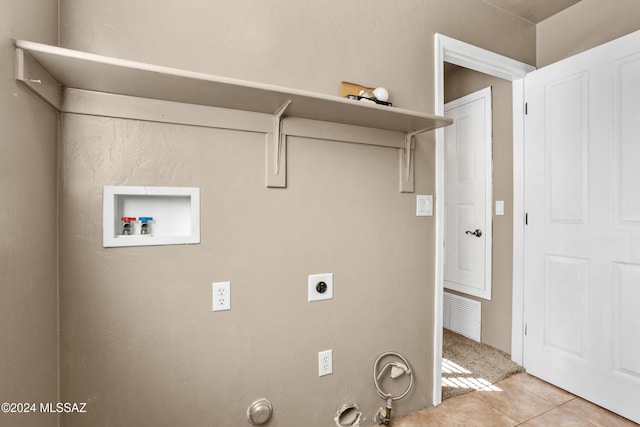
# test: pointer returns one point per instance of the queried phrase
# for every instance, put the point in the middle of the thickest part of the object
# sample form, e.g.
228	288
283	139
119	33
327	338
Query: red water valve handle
128	219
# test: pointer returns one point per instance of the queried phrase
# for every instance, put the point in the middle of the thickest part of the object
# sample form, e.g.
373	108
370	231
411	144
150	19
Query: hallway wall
28	230
585	25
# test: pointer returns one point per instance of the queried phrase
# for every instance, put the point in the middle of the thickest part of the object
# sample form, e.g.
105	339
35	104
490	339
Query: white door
582	241
467	204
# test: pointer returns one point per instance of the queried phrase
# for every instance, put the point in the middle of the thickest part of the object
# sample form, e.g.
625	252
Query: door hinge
525	329
526	218
526	108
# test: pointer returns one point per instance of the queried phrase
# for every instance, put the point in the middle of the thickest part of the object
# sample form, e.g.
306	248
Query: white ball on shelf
381	94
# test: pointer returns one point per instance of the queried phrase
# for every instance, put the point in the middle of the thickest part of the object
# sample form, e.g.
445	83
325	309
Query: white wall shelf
49	70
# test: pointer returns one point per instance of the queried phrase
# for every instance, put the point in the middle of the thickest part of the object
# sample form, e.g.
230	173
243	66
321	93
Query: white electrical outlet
221	296
325	362
320	287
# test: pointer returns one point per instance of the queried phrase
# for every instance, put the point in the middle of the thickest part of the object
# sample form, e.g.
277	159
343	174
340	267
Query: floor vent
462	315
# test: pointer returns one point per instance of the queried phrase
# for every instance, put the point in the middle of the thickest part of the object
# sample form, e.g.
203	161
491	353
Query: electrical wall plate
325	363
221	296
424	205
320	287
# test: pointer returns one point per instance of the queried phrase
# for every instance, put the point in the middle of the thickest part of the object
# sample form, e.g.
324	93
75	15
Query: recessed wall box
174	212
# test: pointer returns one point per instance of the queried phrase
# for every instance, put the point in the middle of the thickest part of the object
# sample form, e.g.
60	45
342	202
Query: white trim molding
463	54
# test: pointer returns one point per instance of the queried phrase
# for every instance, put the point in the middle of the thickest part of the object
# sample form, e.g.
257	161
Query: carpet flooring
468	365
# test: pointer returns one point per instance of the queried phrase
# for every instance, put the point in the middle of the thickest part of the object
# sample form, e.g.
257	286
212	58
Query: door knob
476	233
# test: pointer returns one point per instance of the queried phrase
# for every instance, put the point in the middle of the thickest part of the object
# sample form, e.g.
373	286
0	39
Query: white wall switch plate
221	296
325	362
424	205
499	207
320	287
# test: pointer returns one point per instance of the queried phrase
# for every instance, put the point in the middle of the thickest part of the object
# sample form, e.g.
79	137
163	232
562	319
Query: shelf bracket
276	159
407	162
37	79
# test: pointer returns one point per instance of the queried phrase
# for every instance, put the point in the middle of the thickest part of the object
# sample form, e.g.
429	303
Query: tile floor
523	400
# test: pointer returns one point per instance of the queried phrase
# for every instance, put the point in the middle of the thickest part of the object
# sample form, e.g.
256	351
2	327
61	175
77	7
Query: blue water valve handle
144	224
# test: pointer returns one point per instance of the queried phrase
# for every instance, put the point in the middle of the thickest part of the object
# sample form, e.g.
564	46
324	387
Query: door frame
447	49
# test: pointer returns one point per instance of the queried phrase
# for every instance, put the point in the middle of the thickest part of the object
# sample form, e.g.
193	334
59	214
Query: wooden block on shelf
347	88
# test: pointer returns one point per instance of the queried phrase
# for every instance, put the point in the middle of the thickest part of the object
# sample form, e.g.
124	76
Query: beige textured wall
28	253
138	338
496	313
305	44
583	26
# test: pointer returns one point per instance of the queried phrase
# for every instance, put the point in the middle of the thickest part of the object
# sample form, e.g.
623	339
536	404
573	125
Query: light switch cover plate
424	205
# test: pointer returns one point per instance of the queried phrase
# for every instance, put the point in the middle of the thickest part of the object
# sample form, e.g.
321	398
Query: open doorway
452	51
478	262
